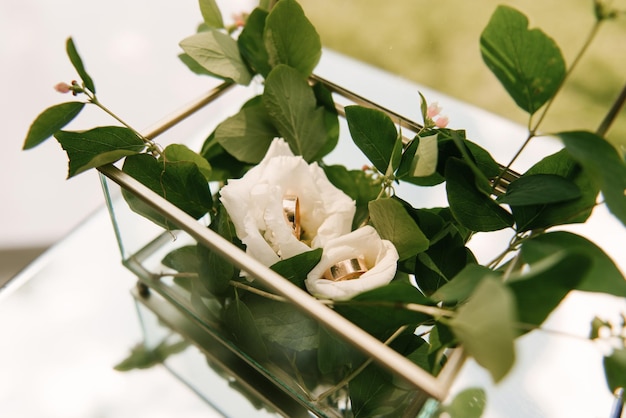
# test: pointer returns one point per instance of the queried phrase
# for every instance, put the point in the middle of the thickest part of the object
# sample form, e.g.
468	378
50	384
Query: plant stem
531	135
612	114
532	131
515	264
581	52
414	307
292	362
94	100
512	244
428	310
257	291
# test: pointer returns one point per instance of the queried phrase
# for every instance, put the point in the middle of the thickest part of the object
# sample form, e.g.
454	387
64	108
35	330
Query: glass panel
321	372
214	380
235	313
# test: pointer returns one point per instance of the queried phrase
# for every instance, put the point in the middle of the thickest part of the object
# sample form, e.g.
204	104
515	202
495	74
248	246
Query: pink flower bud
240	19
63	88
433	110
442	122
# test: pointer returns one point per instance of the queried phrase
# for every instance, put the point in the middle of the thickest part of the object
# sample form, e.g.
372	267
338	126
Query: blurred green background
436	44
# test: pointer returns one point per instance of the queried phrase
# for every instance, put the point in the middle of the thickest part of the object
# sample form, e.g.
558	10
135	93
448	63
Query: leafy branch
438	282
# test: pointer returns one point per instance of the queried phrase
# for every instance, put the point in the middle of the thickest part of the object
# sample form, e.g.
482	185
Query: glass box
293	375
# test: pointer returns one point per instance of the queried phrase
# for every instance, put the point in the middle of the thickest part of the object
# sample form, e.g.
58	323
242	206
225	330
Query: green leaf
50	121
441	262
211	14
406	343
604	164
248	134
472	208
374	133
470	403
284	324
539	291
437	223
181	183
194	66
447	254
406	167
603	276
543	216
453	143
358	185
291	39
428	275
485	327
375	393
240	322
296	268
215	272
527	62
615	369
204	303
446	214
334	354
463	284
393	223
179	152
183	259
481	157
480	179
219	54
98	146
77	62
331	119
251	43
441	337
450	143
539	189
422	357
223	165
423	106
425	158
142	357
265	4
379	312
395	291
396	156
596	325
292	106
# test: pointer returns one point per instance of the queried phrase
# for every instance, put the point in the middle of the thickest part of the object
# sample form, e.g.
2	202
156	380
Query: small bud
240	19
433	110
442	122
63	88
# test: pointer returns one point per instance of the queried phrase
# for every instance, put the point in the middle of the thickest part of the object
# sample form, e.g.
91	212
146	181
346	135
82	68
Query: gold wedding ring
291	210
349	269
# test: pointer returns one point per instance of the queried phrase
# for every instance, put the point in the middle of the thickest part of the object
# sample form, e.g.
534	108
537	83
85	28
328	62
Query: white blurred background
129	48
60	338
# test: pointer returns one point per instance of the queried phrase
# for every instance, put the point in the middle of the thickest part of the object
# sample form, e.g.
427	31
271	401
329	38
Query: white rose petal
255	206
380	256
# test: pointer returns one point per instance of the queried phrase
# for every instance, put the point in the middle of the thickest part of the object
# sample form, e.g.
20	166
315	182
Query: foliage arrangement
433	281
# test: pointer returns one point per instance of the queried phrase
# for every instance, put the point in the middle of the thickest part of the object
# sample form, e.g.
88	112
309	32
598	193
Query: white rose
380	257
255	205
